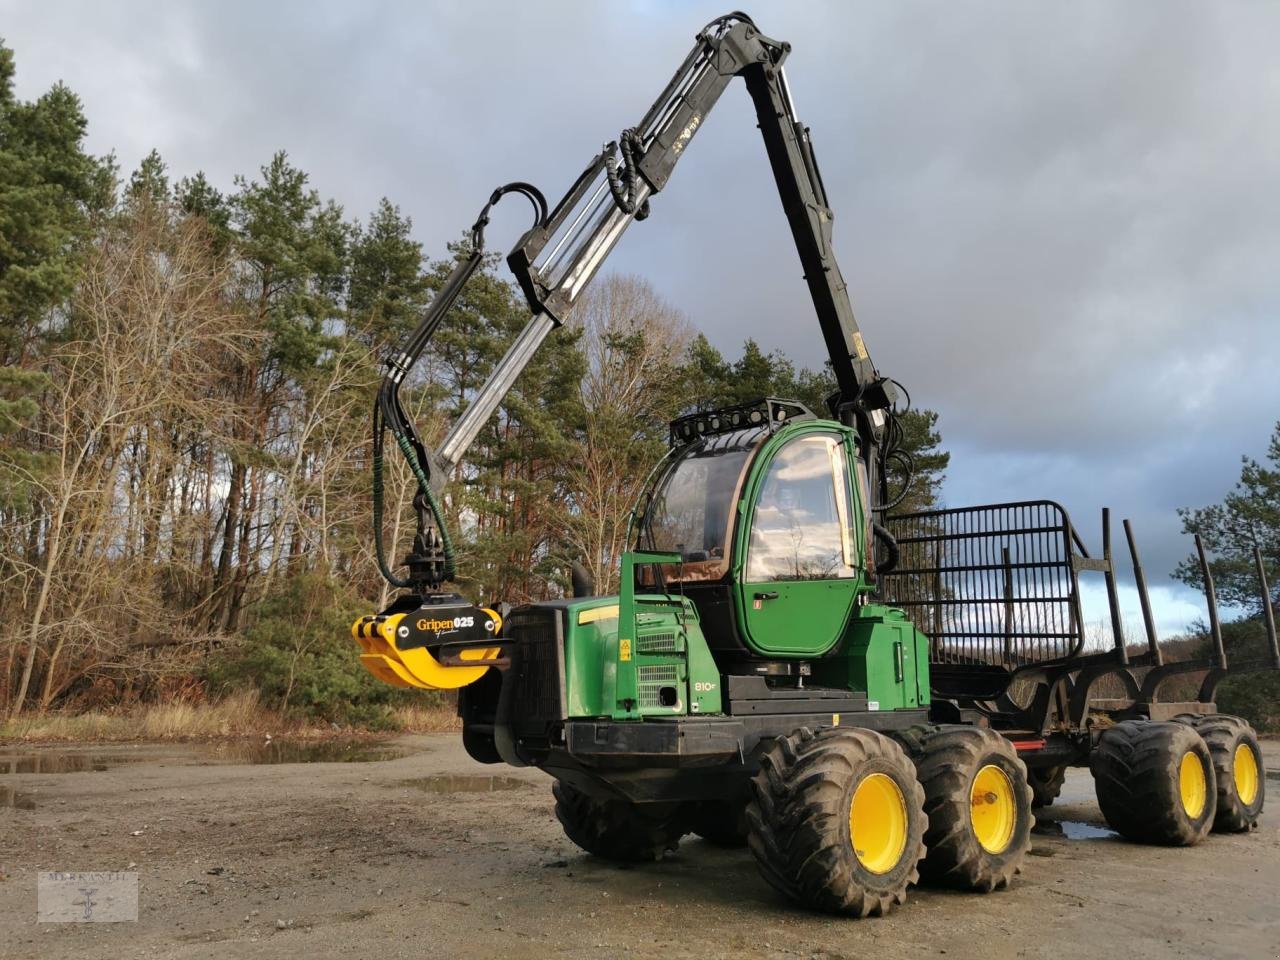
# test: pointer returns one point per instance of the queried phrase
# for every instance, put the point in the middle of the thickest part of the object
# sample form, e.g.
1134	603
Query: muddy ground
431	855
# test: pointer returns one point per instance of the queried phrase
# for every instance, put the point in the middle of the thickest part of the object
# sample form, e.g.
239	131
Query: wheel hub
878	823
1245	772
1191	784
993	809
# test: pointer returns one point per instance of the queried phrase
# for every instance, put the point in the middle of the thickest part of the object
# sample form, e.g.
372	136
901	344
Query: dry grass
425	719
238	714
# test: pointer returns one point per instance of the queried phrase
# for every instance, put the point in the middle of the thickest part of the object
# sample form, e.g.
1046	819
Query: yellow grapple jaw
433	646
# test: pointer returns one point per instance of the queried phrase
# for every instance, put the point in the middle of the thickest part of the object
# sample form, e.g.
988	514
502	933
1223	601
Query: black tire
721	822
616	829
1137	766
1226	738
967	851
801	816
1046	784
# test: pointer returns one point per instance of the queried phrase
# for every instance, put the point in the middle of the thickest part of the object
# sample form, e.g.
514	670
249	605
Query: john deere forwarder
864	699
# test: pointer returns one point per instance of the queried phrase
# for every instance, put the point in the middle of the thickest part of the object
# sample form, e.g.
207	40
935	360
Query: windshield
802	525
694	502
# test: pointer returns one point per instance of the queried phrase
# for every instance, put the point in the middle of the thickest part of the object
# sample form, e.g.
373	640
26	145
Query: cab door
799	578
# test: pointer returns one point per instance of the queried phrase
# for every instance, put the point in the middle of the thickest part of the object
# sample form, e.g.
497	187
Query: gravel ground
432	855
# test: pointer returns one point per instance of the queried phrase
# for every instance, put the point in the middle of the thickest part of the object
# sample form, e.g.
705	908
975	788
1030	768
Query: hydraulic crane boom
557	257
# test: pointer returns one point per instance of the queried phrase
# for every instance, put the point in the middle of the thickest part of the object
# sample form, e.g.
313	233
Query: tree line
1236	531
184	423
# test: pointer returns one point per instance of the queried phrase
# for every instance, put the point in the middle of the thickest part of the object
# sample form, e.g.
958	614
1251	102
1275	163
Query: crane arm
556	258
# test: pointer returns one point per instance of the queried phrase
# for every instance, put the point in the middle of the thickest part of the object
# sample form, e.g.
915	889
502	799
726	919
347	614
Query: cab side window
801	527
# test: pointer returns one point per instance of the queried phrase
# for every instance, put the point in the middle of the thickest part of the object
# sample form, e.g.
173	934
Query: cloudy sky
1060	223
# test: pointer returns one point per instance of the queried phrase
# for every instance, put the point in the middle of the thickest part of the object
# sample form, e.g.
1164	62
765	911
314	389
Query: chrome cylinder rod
484	404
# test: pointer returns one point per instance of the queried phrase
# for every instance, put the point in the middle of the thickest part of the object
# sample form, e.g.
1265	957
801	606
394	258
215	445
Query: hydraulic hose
388	415
379	545
892	551
623	184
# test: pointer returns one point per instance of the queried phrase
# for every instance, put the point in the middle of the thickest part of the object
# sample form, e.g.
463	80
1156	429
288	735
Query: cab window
801	527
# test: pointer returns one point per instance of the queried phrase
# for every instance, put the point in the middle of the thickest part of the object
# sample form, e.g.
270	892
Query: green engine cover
664	668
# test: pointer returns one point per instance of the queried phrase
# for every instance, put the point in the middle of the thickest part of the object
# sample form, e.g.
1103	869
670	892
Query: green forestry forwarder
759	679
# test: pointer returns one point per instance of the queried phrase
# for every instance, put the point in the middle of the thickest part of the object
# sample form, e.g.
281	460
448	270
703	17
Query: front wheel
618	830
837	820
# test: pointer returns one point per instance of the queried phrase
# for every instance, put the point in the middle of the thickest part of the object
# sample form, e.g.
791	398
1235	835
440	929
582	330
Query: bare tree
150	329
634	343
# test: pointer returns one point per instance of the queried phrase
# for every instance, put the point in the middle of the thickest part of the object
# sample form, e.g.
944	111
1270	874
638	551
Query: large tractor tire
616	829
837	820
721	822
1046	784
1155	782
978	802
1237	765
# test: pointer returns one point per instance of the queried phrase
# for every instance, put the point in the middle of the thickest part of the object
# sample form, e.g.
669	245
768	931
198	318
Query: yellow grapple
395	647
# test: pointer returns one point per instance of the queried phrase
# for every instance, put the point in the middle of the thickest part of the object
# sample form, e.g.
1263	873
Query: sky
1059	223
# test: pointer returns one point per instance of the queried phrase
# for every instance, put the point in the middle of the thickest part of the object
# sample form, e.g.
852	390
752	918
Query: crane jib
557	257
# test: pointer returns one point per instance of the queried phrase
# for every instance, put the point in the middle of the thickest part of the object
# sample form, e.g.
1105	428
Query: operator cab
766	508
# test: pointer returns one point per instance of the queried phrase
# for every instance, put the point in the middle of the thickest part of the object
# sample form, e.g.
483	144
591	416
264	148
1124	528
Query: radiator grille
537	695
652	678
658	643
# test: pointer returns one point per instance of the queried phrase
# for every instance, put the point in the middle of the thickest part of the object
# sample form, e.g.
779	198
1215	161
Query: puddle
466	784
60	762
285	751
14	798
238	752
1072	830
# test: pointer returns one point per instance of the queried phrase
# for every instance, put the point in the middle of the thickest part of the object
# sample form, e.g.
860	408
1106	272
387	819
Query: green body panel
626	674
808	617
882	654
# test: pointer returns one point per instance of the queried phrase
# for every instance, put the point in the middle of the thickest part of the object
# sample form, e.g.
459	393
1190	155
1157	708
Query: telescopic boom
557	257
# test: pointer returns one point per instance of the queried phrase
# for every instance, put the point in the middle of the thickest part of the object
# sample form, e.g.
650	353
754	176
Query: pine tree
388	287
712	381
293	251
1247	517
50	192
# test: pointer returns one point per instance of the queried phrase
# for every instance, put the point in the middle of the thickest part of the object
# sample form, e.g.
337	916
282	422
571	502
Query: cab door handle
769	595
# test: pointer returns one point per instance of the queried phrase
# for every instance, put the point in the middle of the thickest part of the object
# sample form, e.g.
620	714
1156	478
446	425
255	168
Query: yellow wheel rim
1245	772
993	809
878	823
1191	784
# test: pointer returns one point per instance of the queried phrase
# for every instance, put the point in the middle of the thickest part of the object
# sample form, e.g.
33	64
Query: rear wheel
837	820
617	829
1237	765
979	807
1046	783
1155	782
